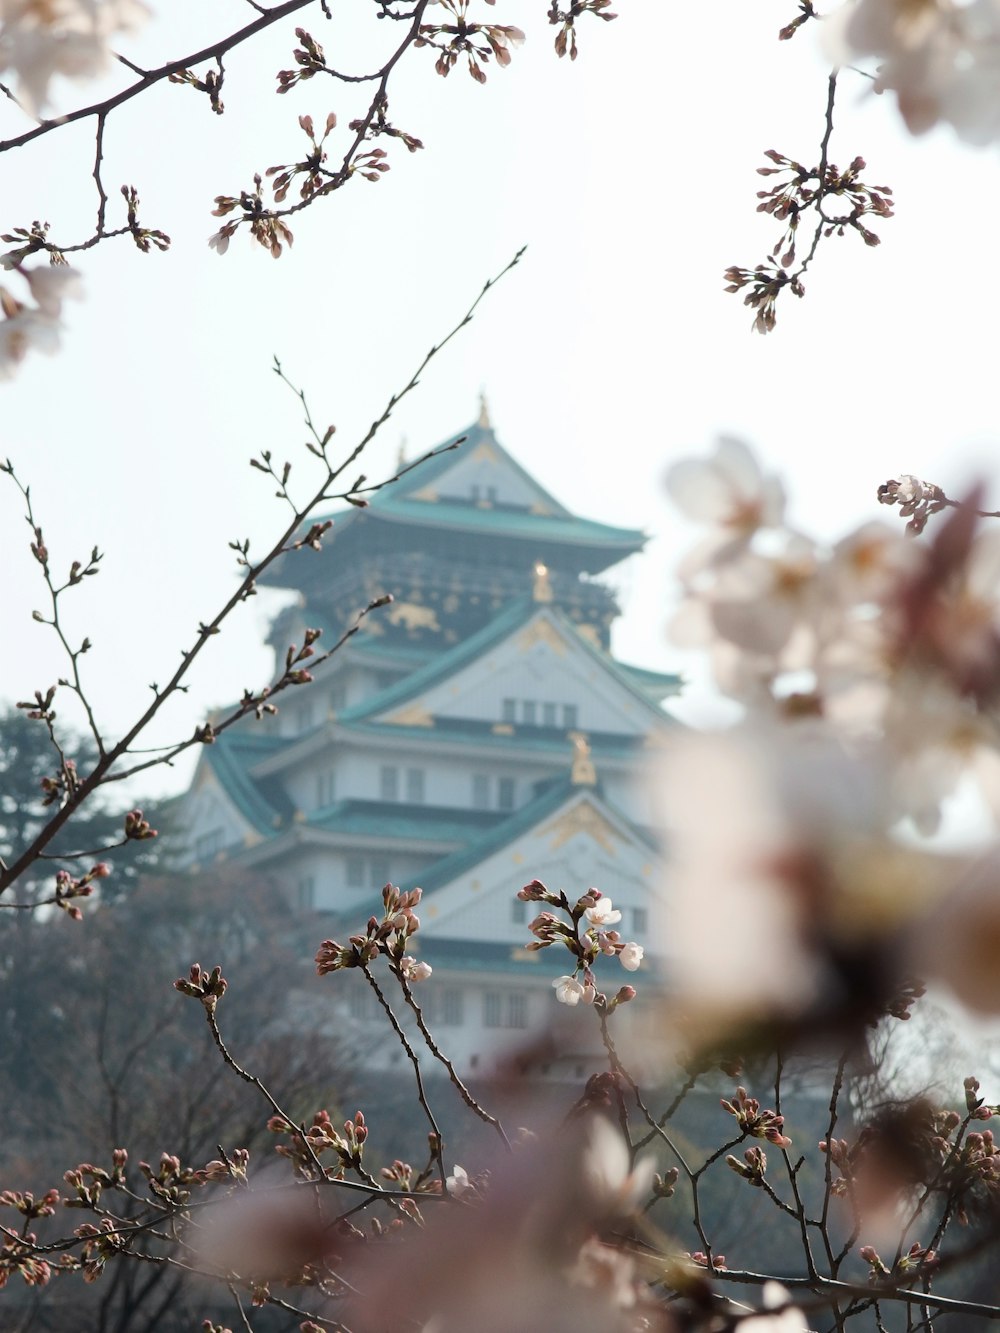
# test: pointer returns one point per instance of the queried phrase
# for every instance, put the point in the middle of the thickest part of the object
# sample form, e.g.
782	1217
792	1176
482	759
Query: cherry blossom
413	970
630	957
38	327
941	58
67	37
603	913
569	991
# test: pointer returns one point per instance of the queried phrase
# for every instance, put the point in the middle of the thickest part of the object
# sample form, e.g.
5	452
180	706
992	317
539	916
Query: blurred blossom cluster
32	314
869	672
42	38
940	57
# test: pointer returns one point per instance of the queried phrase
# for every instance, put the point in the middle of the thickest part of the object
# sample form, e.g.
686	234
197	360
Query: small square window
355	872
505	793
529	712
640	920
338	697
491	494
415	785
517	1010
570	716
549	715
304	716
518	912
389	783
306	893
509	710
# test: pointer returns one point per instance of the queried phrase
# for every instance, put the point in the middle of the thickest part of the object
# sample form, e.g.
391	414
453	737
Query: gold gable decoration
542	588
582	818
542	631
583	773
414	716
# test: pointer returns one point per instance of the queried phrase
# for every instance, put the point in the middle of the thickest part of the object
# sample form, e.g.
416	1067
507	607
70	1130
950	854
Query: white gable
485	476
579	846
532	678
210	820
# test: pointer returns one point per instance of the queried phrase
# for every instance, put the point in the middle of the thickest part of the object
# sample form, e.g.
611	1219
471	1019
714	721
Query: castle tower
474	734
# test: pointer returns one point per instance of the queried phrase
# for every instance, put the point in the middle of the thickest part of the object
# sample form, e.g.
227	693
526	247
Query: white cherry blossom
569	991
631	957
413	970
603	913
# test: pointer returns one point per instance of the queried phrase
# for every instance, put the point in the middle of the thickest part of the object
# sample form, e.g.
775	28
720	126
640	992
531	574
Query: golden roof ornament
401	455
583	773
484	411
542	587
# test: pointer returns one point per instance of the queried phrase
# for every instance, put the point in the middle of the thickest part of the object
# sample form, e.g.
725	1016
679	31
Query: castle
474	734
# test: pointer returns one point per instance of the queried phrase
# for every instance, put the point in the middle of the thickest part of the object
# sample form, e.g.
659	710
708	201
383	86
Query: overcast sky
611	351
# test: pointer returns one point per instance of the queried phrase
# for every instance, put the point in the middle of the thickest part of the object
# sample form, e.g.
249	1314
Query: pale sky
612	350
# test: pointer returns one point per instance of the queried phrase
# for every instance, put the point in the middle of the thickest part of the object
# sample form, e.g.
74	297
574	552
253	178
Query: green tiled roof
456	863
548	739
230	757
657	684
447	663
420	823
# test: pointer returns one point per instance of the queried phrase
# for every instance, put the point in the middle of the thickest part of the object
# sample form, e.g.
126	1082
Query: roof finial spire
542	588
401	456
484	411
583	772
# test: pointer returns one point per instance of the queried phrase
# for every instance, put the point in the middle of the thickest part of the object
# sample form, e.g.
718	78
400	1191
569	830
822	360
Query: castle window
518	912
480	791
640	920
356	872
517	1010
492	1009
509	710
505	793
306	893
452	1009
389	783
338	696
415	785
570	716
529	712
548	715
378	872
491	494
475	492
304	716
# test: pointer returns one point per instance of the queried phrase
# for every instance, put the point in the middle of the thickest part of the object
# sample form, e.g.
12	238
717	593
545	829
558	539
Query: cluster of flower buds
917	500
209	987
101	1243
27	1205
267	229
753	1121
565	21
753	1166
69	886
294	674
388	936
917	1256
233	1168
306	1146
476	41
701	1259
64	783
258	703
88	1181
313	536
586	934
137	827
17	1255
171	1181
310	60
664	1186
975	1105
